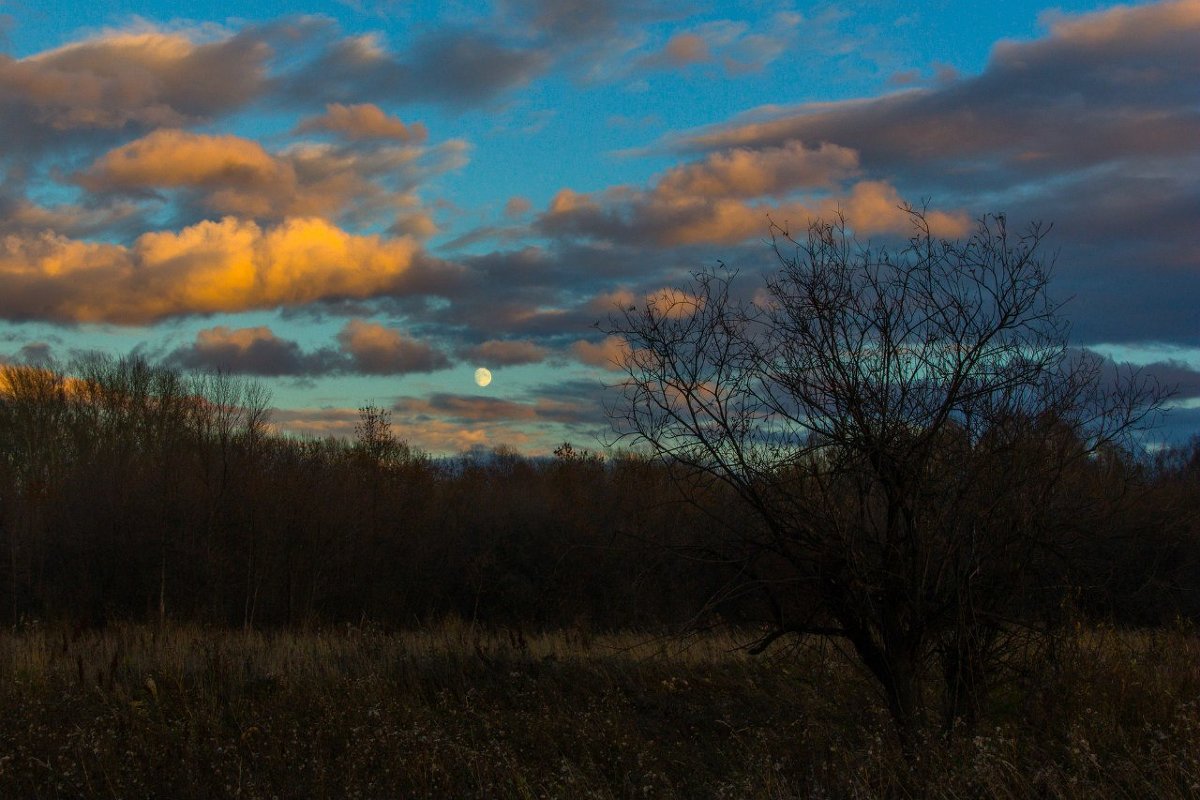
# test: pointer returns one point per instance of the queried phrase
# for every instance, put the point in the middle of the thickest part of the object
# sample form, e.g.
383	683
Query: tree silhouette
905	430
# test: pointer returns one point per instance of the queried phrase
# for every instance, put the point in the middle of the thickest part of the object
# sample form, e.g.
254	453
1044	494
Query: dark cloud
39	354
363	348
1092	127
575	20
505	353
251	351
1181	379
129	81
480	409
1116	84
1177	427
457	68
378	350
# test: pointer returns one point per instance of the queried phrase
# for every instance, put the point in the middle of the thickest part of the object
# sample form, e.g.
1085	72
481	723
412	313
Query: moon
483	376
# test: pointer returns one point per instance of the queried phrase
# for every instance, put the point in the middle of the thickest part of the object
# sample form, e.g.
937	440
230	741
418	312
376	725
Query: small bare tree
904	429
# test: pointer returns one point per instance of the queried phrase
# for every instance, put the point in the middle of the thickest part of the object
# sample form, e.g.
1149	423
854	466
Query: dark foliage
130	492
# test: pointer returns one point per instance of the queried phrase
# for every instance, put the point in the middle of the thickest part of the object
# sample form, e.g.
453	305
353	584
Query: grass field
188	712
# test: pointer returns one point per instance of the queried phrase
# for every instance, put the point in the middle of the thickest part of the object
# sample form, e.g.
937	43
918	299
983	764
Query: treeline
132	491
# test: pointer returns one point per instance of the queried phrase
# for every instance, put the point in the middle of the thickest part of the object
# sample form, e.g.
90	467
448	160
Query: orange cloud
608	354
664	215
363	121
674	303
687	48
876	207
722	199
179	158
230	265
742	172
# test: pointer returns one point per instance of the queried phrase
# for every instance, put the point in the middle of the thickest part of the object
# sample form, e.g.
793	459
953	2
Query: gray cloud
378	350
476	409
130	81
363	348
505	353
458	68
251	351
1115	84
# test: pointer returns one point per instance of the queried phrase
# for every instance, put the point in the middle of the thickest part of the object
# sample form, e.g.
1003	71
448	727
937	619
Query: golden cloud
228	174
363	121
742	172
178	158
226	266
665	216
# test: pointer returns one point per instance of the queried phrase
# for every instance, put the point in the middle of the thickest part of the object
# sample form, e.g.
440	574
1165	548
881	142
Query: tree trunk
898	671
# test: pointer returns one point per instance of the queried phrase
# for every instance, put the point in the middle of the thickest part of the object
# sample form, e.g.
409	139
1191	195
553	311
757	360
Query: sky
364	201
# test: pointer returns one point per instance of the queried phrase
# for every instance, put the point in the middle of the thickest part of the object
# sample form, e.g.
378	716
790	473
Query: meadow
456	710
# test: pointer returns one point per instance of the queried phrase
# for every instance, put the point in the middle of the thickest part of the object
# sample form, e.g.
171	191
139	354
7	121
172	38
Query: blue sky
364	201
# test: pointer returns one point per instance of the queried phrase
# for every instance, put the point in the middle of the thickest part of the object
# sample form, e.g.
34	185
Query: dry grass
186	712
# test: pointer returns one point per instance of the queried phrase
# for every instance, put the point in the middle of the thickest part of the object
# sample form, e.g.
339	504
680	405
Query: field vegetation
454	710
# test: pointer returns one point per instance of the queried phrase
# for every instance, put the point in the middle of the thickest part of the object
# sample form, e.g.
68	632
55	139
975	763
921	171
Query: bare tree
905	430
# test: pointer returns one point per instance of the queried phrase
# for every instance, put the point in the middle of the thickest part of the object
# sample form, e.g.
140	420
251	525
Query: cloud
430	434
665	217
607	354
456	67
453	423
249	351
576	20
230	265
517	206
482	409
363	121
38	354
378	350
1177	376
775	171
172	158
362	348
19	215
735	44
128	80
225	174
681	50
1102	86
505	353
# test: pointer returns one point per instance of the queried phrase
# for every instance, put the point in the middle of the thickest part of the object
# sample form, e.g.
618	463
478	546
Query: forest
131	492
